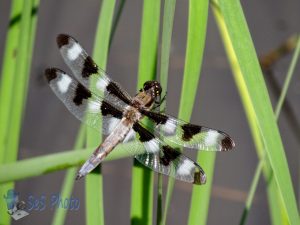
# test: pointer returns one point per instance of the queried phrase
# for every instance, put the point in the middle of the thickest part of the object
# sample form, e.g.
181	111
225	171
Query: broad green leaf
262	160
272	191
253	85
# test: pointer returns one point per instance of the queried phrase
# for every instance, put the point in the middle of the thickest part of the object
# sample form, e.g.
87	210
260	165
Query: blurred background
48	127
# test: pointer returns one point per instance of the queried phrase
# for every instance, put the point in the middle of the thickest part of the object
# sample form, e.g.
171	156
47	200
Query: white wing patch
64	83
169	127
94	106
112	123
211	138
152	146
101	84
74	52
186	168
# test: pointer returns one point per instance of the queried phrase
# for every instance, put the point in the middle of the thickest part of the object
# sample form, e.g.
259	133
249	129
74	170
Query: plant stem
288	79
40	165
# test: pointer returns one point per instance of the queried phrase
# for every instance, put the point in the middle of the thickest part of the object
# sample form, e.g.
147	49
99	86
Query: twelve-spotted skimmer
122	116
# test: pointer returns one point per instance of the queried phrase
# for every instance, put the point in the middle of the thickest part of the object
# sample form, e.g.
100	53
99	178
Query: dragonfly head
153	88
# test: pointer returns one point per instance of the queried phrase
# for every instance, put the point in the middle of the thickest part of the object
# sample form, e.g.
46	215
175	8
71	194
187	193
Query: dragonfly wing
189	135
82	103
86	70
164	159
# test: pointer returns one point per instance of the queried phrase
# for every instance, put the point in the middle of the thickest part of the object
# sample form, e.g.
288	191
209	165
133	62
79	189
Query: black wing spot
115	90
81	93
189	130
156	117
50	74
199	178
227	143
89	67
170	154
62	39
144	134
108	109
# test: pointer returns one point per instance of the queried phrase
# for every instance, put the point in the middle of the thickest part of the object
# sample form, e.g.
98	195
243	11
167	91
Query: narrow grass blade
200	200
195	46
20	87
253	84
142	178
159	204
116	20
94	186
6	90
67	187
8	71
198	11
288	78
12	127
167	28
168	18
252	191
60	214
37	166
33	24
201	195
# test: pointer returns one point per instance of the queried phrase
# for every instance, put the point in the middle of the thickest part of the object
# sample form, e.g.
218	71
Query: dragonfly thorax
132	114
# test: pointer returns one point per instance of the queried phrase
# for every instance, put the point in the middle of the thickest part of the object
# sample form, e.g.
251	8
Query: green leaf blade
168	18
94	181
142	178
198	11
68	184
255	85
18	52
8	72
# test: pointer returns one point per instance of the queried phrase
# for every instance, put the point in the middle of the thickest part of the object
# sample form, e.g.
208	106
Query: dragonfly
107	107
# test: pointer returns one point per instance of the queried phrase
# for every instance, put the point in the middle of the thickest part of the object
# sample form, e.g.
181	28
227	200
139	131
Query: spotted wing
86	70
164	159
189	135
82	103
